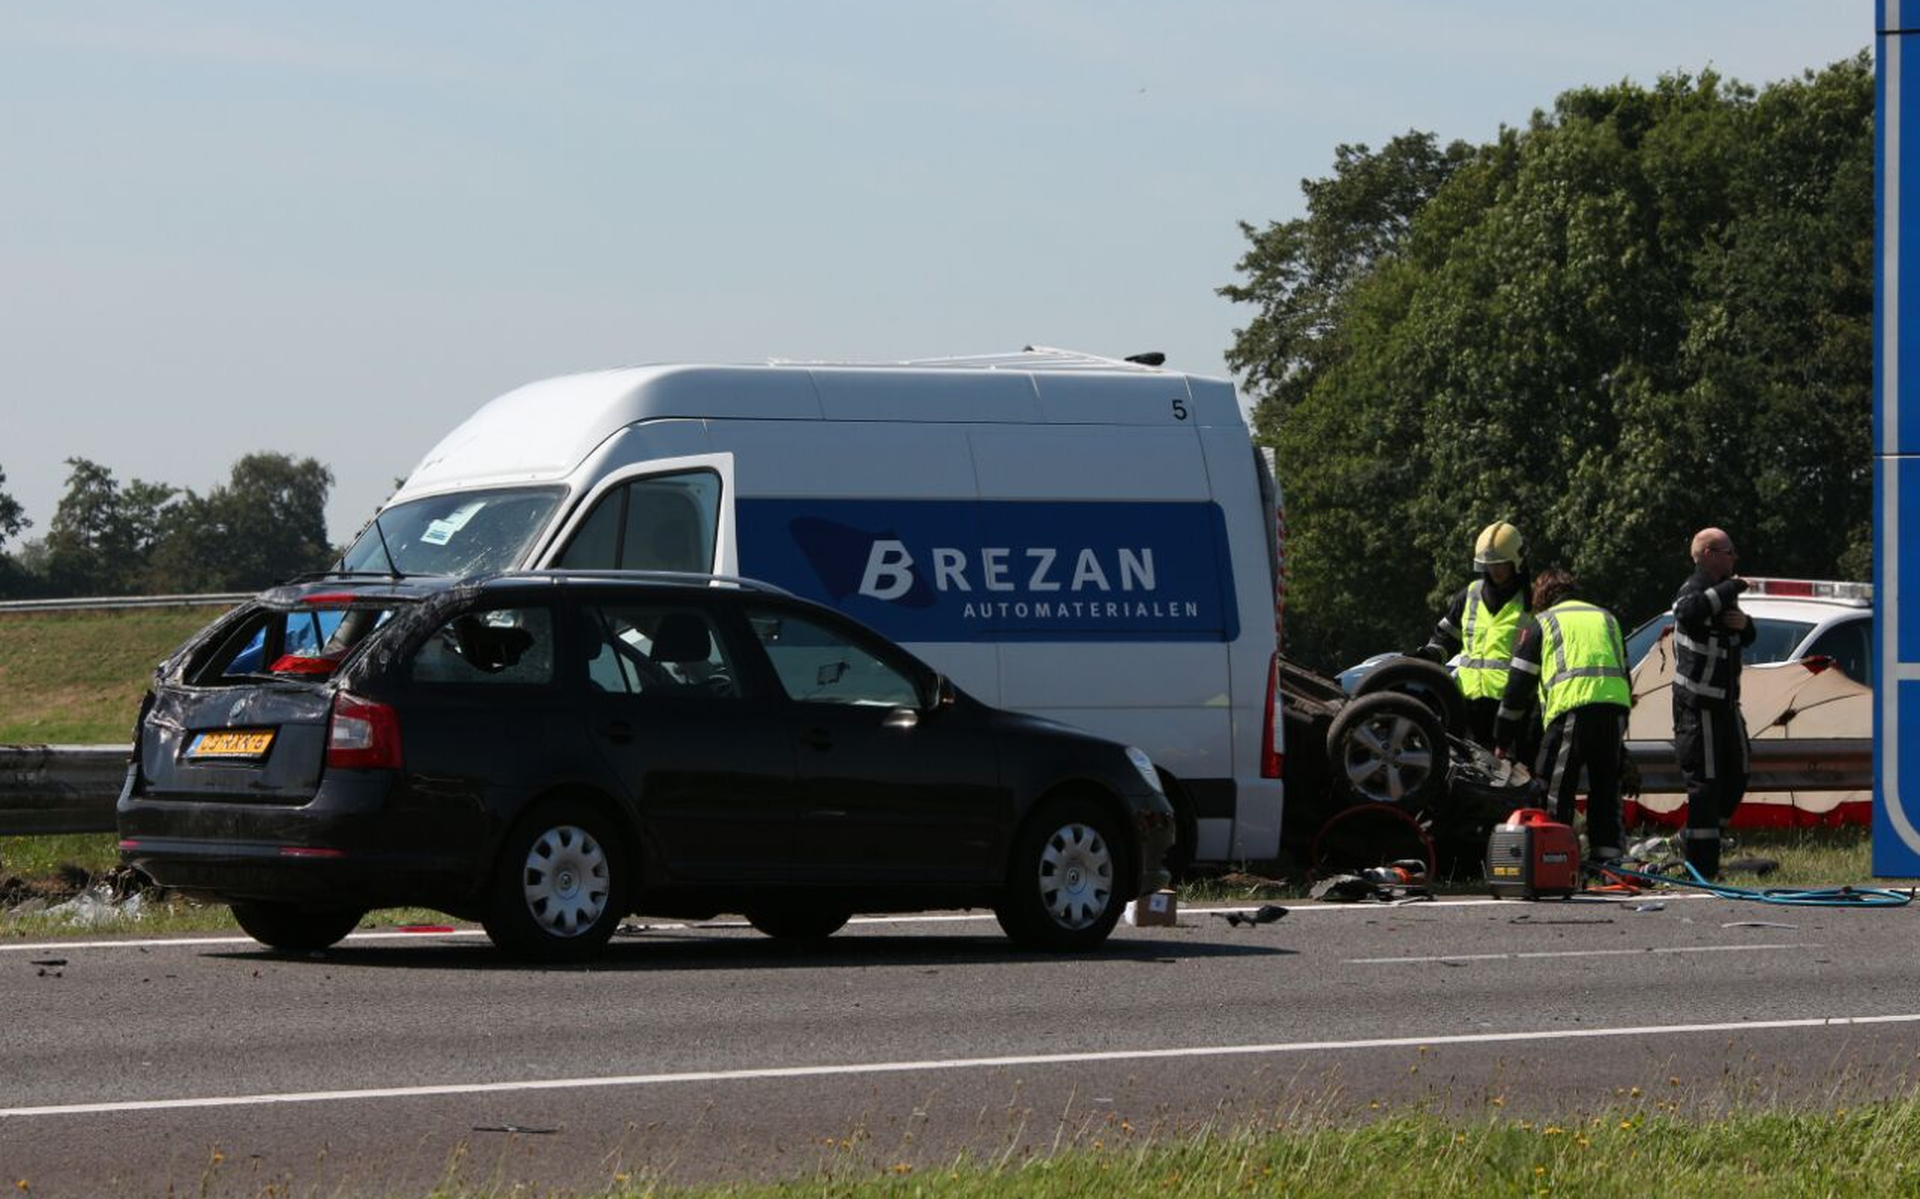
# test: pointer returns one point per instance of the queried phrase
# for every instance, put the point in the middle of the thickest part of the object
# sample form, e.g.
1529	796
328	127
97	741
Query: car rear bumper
346	844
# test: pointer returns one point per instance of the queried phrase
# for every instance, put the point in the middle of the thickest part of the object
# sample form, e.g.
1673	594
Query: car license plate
231	743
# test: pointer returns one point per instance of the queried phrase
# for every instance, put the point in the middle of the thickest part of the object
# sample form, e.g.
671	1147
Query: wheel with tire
560	885
799	922
1067	878
1431	684
291	929
1388	748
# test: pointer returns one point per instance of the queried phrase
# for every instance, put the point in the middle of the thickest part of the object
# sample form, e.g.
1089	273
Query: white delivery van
1086	539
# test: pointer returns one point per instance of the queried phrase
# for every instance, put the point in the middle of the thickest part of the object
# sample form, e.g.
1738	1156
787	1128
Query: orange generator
1531	856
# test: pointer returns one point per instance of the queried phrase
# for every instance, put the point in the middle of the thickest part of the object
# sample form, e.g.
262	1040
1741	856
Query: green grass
77	677
1631	1153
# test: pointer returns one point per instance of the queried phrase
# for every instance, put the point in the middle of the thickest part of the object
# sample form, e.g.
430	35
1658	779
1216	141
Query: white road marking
858	1069
1572	953
1300	908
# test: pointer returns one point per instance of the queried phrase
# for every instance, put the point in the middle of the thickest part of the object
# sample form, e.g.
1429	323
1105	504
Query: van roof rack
609	575
1027	358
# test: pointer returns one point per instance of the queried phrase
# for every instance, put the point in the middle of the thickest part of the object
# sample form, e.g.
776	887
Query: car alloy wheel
566	880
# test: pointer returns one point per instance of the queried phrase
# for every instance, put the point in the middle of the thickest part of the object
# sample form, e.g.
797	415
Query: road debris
1266	913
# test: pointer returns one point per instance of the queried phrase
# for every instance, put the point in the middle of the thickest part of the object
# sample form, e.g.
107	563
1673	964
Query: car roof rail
683	577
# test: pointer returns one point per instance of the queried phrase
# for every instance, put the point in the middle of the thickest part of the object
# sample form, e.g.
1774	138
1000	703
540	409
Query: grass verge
1865	1151
75	678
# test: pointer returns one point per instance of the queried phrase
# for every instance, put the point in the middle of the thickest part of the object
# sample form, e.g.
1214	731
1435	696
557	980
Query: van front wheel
1065	879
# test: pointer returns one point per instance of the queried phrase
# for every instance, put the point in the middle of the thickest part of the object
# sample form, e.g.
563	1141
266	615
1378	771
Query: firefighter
1481	624
1572	661
1709	734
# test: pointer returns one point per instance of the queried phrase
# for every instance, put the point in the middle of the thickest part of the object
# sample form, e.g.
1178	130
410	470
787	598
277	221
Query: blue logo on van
967	570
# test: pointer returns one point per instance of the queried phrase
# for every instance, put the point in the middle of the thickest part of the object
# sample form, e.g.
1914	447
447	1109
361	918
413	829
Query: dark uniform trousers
1589	736
1710	741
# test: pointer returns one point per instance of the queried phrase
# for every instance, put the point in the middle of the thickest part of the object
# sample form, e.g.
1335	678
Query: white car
1794	619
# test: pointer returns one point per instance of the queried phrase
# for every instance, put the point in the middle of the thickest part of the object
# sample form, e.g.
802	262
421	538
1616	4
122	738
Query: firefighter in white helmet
1482	623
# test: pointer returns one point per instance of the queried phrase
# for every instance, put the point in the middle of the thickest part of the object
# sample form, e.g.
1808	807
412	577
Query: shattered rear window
309	643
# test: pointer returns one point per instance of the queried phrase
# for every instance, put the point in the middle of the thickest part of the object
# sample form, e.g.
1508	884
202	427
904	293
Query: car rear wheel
799	921
1388	748
1066	879
294	930
560	886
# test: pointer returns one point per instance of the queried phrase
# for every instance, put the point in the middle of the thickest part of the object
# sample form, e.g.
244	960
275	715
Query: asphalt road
402	1060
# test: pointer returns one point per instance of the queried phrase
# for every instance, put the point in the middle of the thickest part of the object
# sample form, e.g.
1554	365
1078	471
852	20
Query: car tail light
328	599
363	735
1273	730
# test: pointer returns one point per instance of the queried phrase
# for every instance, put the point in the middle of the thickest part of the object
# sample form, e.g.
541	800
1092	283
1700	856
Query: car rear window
271	643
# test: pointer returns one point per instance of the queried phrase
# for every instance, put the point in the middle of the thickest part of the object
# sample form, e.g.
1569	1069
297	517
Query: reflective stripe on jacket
1583	659
1486	643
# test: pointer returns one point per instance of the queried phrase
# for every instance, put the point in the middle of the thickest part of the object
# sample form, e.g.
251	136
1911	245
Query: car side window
663	522
1850	645
816	664
659	651
491	648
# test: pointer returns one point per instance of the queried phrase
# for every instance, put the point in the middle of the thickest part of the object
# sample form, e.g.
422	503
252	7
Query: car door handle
818	739
619	732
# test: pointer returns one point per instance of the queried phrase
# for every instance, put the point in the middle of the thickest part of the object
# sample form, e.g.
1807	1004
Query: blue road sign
1896	436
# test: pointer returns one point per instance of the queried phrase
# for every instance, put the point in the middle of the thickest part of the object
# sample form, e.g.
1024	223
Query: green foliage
1648	311
102	533
268	522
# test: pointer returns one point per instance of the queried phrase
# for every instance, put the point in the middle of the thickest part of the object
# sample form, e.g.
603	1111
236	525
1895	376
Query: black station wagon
549	752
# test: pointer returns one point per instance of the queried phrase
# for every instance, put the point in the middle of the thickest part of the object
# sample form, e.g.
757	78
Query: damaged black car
549	752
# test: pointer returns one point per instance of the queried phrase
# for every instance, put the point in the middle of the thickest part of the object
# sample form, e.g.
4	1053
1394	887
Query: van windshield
467	533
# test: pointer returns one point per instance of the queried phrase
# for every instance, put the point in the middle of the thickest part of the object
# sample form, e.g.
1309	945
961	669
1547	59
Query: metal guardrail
85	603
1806	764
73	788
60	788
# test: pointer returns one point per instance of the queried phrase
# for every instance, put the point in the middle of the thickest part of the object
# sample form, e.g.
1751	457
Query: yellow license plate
231	743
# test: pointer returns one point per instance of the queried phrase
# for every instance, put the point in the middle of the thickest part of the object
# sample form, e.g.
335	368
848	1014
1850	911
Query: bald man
1709	735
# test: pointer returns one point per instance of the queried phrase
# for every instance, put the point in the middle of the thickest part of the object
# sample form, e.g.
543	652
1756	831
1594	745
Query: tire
1388	748
1431	684
1068	878
291	929
560	884
800	921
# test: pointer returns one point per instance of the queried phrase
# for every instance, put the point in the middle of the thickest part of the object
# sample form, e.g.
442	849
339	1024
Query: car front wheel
285	927
560	886
1067	879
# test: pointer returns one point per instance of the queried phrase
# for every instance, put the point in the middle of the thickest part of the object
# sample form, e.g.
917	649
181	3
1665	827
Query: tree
1648	311
102	534
13	517
266	523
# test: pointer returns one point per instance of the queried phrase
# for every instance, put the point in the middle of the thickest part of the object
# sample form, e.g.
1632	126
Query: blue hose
1819	897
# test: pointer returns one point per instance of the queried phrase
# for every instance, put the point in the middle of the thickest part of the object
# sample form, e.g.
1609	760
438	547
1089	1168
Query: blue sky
335	230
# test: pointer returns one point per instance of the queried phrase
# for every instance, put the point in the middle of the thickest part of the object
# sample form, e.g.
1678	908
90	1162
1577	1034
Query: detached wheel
1431	684
285	927
560	886
1388	748
799	922
1067	880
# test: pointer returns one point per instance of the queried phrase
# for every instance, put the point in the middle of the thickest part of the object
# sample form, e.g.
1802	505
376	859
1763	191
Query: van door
665	516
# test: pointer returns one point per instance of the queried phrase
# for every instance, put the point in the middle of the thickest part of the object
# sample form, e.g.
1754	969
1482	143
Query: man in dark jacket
1709	735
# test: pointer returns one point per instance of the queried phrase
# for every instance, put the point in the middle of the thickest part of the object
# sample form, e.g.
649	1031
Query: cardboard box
1158	910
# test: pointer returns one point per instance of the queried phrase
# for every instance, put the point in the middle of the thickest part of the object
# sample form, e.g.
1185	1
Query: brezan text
890	575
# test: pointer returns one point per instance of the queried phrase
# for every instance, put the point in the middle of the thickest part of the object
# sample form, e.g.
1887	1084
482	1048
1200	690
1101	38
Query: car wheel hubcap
1388	758
1076	876
566	881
